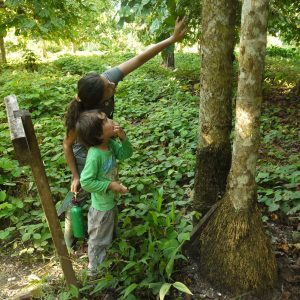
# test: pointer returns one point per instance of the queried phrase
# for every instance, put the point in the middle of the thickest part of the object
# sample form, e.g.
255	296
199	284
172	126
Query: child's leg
100	230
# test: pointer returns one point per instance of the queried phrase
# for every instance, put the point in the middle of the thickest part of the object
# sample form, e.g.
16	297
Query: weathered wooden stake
189	246
28	152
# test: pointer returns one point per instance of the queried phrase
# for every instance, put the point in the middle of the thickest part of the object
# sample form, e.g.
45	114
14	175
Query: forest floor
285	240
17	276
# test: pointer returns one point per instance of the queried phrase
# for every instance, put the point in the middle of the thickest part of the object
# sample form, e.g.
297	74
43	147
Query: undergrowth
159	110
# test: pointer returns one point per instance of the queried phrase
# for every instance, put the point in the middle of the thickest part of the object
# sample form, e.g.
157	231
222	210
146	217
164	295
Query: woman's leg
68	234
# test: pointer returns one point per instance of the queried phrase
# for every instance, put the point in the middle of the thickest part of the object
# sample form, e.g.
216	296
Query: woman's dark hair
90	90
89	128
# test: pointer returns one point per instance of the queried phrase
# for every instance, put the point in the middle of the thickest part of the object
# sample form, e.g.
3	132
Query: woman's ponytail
72	115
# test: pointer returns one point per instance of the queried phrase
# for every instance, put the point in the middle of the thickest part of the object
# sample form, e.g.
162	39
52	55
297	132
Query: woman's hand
118	187
75	185
179	30
137	61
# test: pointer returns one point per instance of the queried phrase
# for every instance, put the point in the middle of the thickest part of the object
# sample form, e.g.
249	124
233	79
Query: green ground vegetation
159	110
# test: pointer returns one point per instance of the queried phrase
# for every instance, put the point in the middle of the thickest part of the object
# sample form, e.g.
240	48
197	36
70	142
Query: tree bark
235	252
168	57
45	54
215	113
3	52
74	47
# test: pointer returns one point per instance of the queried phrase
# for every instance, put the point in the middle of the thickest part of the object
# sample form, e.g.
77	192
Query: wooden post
189	246
23	135
17	133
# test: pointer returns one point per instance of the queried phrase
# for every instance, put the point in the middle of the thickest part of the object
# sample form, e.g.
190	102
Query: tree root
235	252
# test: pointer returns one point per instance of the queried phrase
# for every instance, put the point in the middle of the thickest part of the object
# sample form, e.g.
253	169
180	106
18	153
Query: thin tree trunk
235	251
3	52
168	57
74	47
215	114
45	54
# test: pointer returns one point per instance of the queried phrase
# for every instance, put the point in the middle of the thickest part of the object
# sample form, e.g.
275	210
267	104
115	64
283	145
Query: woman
96	91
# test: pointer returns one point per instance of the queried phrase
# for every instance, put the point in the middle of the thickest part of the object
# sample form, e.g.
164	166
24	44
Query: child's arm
118	187
88	178
135	62
123	150
92	184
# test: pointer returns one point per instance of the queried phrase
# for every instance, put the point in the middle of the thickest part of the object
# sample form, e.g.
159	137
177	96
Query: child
98	177
96	91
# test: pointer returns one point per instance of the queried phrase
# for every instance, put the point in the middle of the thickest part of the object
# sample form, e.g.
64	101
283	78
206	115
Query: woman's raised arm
135	62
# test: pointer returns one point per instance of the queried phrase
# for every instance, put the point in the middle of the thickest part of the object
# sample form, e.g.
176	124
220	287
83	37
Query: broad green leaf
154	217
185	236
129	289
167	221
26	237
102	284
273	207
74	291
4	234
2	196
182	287
170	265
37	236
128	266
140	229
140	187
154	26
144	2
164	290
159	199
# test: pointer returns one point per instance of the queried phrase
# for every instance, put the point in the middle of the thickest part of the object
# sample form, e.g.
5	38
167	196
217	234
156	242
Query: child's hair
90	90
89	128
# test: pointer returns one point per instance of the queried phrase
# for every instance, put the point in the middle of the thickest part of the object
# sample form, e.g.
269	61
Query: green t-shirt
100	170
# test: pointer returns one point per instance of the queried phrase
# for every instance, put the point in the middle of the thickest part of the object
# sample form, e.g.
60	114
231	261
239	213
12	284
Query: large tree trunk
214	149
168	57
235	252
3	53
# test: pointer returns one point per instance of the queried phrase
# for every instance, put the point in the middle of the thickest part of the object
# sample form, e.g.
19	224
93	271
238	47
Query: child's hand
118	187
119	132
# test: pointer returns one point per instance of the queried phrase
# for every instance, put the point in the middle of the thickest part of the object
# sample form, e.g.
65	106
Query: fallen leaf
284	247
274	217
285	295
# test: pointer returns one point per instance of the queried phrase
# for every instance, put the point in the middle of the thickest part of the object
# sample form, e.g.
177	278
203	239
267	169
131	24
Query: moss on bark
215	111
212	167
235	252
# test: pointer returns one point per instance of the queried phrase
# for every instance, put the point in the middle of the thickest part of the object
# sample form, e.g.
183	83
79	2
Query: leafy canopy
48	19
157	17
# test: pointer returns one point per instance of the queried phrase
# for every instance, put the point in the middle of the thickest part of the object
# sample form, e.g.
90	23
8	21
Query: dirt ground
18	277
